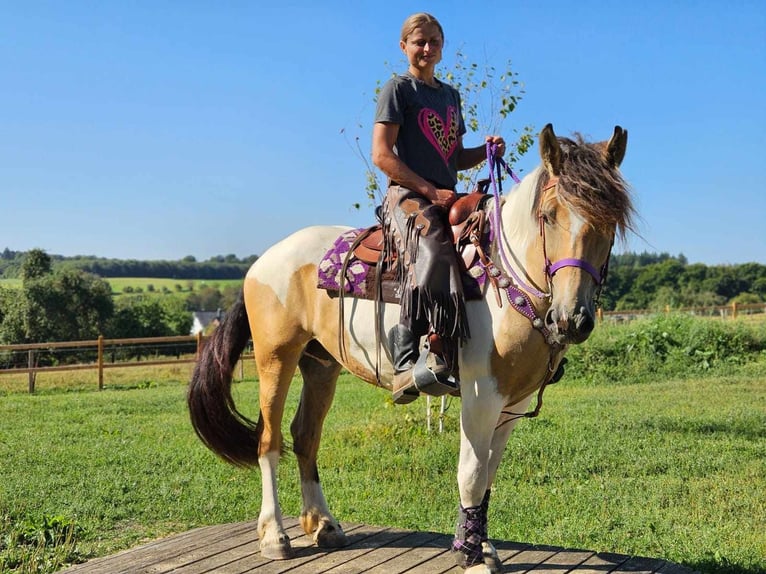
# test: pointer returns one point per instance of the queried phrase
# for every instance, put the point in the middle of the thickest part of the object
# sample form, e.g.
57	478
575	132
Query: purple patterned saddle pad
360	280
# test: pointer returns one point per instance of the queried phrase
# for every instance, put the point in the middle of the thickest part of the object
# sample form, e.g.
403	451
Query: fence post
32	374
600	315
100	361
199	344
733	309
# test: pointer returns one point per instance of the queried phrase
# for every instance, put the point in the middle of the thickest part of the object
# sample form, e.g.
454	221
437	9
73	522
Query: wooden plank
234	549
529	558
563	561
380	549
410	552
602	562
219	552
145	560
306	553
327	560
138	559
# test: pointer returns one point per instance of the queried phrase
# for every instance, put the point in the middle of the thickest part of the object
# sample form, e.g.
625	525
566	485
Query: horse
552	242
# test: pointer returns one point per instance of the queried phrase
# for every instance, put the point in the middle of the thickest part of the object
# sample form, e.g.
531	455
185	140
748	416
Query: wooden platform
233	549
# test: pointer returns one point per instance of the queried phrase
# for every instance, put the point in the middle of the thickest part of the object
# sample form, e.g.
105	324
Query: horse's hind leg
278	342
320	372
275	372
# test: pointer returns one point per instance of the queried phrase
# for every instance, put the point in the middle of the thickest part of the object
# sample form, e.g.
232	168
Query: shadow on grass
715	567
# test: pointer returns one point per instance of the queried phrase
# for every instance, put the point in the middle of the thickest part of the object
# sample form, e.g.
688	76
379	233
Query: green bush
667	345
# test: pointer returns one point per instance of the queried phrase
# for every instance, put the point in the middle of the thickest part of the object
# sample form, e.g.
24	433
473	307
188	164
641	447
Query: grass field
672	469
173	285
143	283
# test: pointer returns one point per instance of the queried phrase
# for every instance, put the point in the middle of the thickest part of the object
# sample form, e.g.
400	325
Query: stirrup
431	382
425	379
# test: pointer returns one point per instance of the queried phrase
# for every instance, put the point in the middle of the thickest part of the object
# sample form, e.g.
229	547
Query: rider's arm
383	156
473	156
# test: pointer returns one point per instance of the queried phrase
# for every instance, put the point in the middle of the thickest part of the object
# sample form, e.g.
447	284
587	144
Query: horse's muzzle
569	327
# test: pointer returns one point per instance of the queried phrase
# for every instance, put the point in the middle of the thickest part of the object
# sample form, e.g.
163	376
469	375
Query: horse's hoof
491	559
277	550
330	536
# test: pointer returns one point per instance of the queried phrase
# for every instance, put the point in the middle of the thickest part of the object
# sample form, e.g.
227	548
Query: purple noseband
552	268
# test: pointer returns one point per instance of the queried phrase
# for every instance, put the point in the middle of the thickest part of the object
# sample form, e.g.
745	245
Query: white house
201	320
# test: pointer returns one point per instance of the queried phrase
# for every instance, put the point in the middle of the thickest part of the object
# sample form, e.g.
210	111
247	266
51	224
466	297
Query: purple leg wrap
470	532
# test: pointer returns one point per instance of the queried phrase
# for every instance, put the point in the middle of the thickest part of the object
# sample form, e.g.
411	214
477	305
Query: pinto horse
552	241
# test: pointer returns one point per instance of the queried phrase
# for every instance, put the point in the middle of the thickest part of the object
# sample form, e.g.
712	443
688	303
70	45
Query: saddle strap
474	234
342	290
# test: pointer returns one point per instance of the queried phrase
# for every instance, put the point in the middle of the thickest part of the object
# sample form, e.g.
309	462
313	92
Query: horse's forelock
592	187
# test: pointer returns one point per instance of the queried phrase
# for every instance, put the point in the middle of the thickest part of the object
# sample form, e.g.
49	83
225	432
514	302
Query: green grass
672	469
173	285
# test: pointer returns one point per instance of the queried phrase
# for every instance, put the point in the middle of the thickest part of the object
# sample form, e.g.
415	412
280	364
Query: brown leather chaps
430	284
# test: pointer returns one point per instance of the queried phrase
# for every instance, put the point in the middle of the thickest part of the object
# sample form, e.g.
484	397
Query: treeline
634	281
651	281
218	267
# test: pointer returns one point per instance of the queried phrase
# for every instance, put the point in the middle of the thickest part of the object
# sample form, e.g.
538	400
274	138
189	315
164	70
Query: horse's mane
593	187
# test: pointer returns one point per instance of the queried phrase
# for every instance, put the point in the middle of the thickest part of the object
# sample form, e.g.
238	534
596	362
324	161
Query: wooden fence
104	347
730	311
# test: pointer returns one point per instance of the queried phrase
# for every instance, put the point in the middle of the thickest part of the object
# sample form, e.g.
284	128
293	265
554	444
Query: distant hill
219	267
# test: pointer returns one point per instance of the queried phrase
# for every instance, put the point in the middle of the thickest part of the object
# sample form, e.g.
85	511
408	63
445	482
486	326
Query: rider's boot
404	352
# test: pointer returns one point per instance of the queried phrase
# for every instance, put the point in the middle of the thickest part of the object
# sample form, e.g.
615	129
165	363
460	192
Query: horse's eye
548	217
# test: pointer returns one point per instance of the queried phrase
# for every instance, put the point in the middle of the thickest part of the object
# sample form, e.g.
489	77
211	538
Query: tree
205	299
65	306
36	264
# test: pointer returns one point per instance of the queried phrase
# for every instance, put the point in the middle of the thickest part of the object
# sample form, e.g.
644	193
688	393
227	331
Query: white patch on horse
270	519
304	247
576	225
519	229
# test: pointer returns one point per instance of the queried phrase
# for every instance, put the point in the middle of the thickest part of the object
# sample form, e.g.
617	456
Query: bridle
518	293
496	167
598	275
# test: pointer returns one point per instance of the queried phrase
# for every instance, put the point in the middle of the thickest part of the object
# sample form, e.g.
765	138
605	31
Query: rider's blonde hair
418	21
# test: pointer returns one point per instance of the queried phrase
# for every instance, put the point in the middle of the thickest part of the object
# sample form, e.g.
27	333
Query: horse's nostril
584	324
551	318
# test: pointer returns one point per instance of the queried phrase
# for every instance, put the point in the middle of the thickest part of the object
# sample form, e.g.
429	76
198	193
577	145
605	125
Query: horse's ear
615	149
550	151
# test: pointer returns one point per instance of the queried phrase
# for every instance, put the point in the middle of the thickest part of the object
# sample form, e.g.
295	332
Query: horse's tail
215	418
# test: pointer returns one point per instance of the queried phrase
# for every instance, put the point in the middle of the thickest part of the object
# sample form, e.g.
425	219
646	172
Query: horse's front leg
478	418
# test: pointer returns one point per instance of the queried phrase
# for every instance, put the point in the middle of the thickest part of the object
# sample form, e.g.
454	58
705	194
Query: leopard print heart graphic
442	134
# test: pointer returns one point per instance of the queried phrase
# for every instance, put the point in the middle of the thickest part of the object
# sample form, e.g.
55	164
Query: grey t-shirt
430	122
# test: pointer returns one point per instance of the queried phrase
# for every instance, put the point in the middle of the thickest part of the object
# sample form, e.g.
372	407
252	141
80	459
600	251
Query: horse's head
581	204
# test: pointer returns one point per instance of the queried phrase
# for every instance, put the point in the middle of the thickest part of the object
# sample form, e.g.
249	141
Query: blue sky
160	129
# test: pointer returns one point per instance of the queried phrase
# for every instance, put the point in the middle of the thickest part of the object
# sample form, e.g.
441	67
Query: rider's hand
499	142
444	198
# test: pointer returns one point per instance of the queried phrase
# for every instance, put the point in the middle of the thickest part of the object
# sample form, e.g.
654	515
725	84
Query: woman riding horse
418	143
